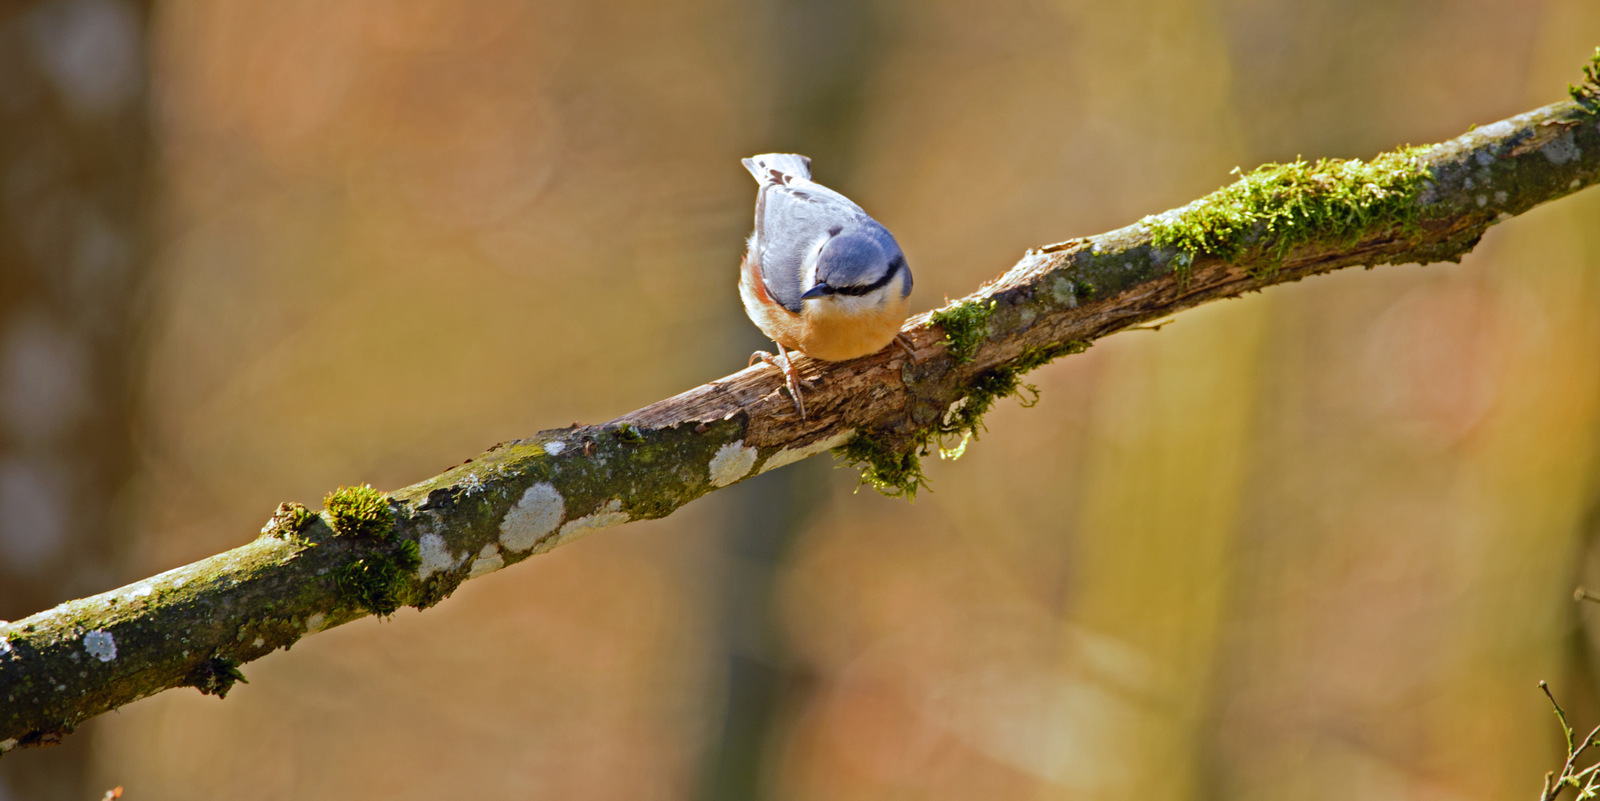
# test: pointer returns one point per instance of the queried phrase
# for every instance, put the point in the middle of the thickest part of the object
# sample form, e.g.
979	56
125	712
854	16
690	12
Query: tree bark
193	626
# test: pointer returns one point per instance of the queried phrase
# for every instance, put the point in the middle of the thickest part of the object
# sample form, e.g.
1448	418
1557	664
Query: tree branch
193	626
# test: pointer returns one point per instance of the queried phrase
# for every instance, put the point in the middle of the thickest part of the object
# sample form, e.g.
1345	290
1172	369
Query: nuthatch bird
819	275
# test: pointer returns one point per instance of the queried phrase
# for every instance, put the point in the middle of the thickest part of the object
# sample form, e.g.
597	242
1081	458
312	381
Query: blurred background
1317	543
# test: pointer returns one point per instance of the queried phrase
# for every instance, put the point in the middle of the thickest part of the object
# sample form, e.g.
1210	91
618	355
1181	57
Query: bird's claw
791	377
904	341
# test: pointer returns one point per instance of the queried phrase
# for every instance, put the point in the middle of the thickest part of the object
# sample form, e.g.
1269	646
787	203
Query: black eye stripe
894	267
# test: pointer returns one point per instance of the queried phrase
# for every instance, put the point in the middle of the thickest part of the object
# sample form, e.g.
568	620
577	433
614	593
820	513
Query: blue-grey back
797	218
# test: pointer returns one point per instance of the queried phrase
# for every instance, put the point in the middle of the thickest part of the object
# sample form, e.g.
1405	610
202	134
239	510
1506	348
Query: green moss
289	520
300	517
360	512
377	581
898	472
215	675
626	433
436	589
1587	91
965	325
895	473
1276	207
1036	356
965	418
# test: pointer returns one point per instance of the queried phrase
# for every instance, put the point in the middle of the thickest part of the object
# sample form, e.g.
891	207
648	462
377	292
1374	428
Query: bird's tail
777	168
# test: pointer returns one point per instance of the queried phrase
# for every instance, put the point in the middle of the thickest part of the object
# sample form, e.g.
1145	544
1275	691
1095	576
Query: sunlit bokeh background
1317	543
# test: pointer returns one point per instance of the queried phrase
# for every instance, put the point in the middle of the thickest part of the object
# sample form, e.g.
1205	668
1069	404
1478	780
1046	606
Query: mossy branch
371	552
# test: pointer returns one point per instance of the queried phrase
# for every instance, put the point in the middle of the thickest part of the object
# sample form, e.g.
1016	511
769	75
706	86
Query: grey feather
797	218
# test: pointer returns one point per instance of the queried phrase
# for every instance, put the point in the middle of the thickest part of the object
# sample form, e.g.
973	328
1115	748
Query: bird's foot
904	341
791	376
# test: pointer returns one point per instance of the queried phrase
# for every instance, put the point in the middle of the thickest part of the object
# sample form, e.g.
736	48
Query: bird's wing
796	217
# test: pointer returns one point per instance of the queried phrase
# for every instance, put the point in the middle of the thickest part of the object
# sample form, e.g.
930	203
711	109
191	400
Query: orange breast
824	331
779	324
829	334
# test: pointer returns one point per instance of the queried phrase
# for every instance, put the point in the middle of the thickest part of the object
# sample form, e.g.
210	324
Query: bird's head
857	270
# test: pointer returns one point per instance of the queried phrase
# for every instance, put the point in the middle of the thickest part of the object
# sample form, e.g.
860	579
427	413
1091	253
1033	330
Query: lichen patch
731	463
100	645
555	447
789	456
1497	130
436	556
316	622
1061	291
609	514
1560	151
487	561
537	513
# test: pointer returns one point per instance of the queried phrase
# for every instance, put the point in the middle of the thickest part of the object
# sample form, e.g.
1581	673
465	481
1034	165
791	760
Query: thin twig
1581	780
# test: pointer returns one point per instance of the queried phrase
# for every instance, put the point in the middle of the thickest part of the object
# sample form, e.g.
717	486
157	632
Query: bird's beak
820	290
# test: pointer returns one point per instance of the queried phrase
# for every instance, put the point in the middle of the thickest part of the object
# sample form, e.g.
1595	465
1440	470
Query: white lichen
789	456
731	463
315	622
555	447
609	514
487	561
7	744
1497	130
1501	197
1483	200
537	513
100	645
1561	151
1061	291
258	642
436	556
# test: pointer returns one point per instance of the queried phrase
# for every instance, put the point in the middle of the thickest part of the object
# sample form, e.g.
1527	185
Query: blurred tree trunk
822	58
74	156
